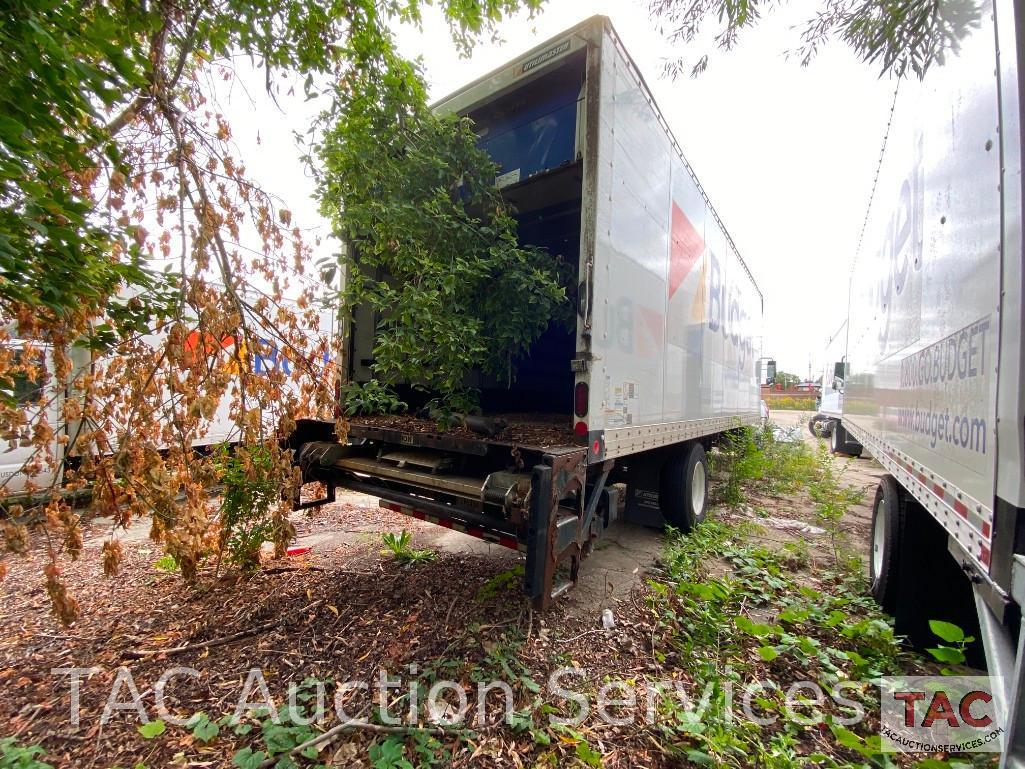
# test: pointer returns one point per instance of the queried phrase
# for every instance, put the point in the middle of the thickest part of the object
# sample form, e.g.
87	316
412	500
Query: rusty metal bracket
555	527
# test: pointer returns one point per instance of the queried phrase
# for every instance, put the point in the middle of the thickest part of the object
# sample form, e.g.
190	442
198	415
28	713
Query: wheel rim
878	538
697	489
834	440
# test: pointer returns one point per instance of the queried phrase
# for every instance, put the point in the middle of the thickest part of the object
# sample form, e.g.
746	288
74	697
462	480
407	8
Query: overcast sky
786	154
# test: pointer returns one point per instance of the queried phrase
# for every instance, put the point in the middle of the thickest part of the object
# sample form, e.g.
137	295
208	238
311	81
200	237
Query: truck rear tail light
580	429
580	397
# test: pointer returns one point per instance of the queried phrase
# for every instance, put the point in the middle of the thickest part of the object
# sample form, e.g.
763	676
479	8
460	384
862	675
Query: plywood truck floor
535	430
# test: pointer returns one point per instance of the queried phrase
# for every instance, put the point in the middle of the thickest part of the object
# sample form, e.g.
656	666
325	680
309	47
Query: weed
833	500
737	461
277	737
791	403
15	756
167	563
952	652
725	631
750	458
251	494
370	398
797	554
430	751
400	546
389	753
501	582
202	728
152	729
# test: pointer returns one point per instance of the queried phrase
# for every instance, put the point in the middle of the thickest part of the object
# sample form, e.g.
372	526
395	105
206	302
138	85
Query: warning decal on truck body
621	406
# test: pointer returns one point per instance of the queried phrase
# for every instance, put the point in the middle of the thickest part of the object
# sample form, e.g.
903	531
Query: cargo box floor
534	430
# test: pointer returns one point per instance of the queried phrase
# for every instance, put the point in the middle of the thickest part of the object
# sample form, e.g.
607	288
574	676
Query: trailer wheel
913	576
840	441
887	526
683	496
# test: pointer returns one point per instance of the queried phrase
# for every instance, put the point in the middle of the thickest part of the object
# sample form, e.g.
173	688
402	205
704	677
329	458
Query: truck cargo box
609	413
934	354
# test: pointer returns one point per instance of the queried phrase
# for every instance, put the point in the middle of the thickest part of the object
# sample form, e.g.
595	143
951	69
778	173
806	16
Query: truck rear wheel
913	576
683	492
887	526
841	442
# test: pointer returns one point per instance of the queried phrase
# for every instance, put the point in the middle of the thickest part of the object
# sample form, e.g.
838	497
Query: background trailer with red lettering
613	413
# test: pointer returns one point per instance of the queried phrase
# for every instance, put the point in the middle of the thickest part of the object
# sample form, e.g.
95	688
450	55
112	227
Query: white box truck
829	409
17	451
618	412
935	351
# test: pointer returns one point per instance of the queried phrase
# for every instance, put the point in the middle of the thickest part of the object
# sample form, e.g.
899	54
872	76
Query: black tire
885	542
811	427
683	487
916	579
841	442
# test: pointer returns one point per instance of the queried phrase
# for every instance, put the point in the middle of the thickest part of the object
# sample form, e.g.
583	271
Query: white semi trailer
935	348
829	411
17	451
659	362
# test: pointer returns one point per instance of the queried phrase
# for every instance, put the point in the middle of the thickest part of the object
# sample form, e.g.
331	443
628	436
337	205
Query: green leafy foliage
833	500
790	403
15	756
152	729
389	753
401	548
750	459
370	398
77	73
509	579
952	652
747	456
757	621
63	63
249	501
278	735
899	38
588	755
202	728
115	148
167	563
432	244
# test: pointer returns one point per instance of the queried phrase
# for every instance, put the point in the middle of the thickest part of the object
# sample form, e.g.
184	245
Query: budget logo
949	714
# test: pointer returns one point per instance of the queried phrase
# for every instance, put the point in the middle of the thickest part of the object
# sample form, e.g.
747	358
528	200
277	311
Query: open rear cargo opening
533	132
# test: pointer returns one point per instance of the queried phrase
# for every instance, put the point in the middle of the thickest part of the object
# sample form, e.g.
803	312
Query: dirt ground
340	610
862	473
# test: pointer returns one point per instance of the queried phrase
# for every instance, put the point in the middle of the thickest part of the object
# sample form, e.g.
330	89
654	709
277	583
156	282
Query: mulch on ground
343	617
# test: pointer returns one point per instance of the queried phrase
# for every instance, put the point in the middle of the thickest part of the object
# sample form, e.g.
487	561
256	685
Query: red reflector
580	429
580	399
596	447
